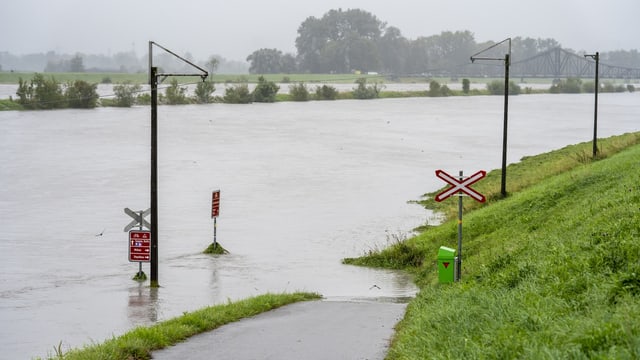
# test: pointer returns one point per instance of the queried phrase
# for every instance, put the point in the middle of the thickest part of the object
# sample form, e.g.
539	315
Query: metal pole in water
154	177
140	228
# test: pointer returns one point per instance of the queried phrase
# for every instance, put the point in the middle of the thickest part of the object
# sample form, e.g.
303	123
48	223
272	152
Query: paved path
307	330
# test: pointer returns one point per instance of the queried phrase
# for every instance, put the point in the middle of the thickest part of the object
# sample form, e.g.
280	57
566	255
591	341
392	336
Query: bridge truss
559	63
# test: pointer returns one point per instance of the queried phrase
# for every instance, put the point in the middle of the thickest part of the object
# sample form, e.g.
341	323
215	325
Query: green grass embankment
140	342
550	272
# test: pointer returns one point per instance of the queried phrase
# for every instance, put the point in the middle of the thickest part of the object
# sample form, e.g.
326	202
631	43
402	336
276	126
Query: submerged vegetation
550	272
79	90
215	249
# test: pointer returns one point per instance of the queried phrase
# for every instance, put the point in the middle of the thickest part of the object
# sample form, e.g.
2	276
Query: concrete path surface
308	330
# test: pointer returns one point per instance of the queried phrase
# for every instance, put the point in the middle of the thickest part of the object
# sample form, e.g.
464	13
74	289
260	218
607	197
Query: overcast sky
236	28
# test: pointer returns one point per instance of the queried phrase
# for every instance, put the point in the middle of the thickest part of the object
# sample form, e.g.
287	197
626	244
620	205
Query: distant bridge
559	63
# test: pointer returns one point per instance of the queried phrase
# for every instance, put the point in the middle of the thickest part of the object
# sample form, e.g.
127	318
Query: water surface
303	185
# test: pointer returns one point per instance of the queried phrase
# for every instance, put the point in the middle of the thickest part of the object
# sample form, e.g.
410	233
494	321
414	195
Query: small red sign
446	264
139	246
215	204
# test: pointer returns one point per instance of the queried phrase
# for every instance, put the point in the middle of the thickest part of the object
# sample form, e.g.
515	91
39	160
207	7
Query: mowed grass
550	272
140	342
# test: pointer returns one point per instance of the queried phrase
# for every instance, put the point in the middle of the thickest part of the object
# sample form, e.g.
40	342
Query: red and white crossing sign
215	204
139	246
460	185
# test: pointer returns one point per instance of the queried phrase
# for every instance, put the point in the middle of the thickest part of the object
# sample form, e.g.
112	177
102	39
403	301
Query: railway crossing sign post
460	186
139	240
139	246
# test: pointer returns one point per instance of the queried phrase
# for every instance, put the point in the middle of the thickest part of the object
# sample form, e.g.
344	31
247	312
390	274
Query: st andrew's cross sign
460	185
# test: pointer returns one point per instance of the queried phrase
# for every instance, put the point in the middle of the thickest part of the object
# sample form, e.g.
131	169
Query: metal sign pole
215	228
460	186
459	258
140	262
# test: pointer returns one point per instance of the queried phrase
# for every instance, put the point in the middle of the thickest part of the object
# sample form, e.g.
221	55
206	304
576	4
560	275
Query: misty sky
236	28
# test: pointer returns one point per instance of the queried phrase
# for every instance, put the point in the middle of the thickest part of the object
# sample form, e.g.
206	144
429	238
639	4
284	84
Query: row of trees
356	40
122	62
338	42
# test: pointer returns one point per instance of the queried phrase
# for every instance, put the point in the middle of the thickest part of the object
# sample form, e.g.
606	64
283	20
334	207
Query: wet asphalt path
308	330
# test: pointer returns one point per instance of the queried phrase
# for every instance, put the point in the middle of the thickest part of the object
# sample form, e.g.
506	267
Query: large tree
271	61
340	41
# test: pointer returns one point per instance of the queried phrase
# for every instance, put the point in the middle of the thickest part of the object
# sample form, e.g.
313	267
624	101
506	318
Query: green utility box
446	265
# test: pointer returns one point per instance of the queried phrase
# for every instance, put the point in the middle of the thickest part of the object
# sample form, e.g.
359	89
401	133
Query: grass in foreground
551	272
140	342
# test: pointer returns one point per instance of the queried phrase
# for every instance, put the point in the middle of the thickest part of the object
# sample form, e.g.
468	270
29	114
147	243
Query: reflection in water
143	304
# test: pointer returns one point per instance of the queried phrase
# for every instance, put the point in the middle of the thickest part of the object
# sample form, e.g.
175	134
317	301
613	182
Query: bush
496	87
143	99
126	94
631	88
82	95
176	95
435	89
466	86
265	91
40	93
568	86
326	92
366	92
587	87
204	91
238	94
299	92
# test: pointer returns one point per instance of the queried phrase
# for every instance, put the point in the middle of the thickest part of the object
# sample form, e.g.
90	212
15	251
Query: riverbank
549	272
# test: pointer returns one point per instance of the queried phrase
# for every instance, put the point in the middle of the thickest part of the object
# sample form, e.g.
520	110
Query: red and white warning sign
460	185
139	246
215	204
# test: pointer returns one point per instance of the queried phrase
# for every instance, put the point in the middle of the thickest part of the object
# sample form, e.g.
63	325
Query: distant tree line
356	40
122	62
341	41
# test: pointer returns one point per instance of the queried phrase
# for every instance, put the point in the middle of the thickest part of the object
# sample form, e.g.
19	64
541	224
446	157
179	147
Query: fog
234	29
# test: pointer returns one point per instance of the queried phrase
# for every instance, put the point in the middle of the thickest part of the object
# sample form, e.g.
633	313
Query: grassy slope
553	271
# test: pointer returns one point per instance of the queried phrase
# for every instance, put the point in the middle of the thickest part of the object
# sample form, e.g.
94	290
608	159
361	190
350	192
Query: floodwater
303	185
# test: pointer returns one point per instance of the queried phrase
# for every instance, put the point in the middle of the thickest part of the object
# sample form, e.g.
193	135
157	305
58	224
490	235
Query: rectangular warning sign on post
215	204
139	246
